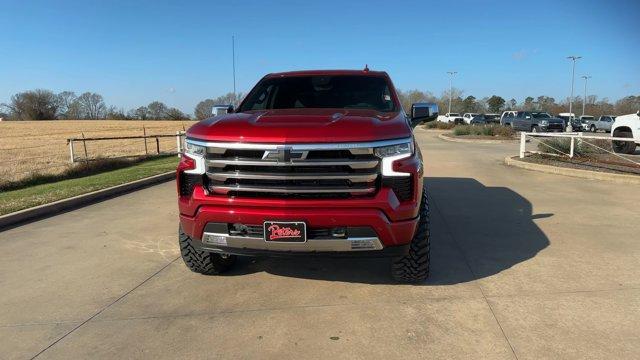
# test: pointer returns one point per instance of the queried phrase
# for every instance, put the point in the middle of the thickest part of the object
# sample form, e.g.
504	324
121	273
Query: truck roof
328	72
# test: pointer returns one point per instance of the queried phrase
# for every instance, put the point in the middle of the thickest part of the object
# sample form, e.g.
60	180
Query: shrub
439	125
483	130
561	146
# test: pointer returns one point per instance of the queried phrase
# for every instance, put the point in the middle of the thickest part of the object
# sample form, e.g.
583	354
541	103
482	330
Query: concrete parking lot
525	265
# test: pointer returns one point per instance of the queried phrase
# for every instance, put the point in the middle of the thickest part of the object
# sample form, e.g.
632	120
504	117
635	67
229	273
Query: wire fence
29	148
596	152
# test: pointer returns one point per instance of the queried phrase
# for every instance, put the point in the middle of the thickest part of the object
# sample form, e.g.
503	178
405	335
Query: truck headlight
197	153
544	122
193	149
392	153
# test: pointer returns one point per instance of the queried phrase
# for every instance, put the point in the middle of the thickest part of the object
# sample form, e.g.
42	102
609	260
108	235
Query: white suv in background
626	126
506	117
467	117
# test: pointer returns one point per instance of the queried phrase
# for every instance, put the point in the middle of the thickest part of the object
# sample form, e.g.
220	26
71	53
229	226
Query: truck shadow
476	231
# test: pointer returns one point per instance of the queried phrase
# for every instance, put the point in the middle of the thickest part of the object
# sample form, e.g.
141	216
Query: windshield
454	114
338	92
587	117
540	115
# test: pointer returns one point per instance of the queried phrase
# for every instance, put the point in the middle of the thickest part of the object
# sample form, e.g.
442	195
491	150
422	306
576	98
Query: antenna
233	60
366	68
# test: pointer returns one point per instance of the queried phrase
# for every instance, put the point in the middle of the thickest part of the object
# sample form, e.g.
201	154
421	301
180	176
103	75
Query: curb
476	141
78	201
579	173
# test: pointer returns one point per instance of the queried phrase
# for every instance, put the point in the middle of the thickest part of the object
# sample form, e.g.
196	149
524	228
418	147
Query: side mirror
221	110
423	112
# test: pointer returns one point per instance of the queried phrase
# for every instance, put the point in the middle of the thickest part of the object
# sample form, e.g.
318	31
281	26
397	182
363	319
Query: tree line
42	104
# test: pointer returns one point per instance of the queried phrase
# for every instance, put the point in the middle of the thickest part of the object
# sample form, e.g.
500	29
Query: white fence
575	137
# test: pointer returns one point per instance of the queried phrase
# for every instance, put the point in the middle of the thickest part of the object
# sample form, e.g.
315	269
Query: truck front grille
296	171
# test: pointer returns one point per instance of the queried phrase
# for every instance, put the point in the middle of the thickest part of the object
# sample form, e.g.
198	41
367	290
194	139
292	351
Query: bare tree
92	106
157	110
65	101
33	105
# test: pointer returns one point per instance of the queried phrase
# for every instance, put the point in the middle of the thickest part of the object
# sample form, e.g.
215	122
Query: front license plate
284	231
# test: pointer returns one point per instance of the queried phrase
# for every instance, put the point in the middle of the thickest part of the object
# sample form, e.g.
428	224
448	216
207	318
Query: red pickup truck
310	163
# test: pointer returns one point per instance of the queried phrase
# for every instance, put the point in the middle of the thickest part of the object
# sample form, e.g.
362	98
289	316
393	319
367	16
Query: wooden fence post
144	132
157	145
71	150
84	144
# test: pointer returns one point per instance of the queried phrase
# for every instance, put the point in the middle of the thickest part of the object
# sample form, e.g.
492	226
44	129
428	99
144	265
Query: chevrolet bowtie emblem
284	155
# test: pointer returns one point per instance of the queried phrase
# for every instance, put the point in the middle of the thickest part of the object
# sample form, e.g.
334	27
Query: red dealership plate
285	231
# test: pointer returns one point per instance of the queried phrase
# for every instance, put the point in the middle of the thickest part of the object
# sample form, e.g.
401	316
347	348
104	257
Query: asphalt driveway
525	265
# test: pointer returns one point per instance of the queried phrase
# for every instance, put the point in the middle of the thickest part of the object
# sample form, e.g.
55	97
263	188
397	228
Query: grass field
15	200
28	147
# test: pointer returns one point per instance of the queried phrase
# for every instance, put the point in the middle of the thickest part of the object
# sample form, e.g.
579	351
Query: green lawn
19	199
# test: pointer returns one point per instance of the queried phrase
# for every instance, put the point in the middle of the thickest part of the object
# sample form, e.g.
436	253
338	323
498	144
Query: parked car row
470	118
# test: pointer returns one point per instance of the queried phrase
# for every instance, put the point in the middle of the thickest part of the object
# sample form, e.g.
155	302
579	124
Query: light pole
233	61
573	74
584	102
451	74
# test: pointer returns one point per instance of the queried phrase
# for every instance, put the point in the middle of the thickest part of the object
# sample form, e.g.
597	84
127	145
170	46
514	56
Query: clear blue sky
133	52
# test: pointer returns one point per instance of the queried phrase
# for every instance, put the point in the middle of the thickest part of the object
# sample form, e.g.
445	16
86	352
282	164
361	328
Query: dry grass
40	147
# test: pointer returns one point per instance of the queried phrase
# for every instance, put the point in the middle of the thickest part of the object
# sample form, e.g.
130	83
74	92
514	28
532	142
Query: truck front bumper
392	223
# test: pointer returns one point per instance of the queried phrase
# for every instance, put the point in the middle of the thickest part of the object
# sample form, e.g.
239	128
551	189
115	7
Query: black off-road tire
593	129
203	262
414	267
623	147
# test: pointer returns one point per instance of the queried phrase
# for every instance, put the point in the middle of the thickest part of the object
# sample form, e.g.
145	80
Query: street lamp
451	74
584	102
573	73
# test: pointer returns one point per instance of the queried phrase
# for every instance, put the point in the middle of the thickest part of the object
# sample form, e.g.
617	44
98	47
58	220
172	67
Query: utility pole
573	74
584	102
451	74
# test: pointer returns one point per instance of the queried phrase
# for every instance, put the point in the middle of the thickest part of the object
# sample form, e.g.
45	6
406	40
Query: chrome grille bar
222	176
293	189
352	163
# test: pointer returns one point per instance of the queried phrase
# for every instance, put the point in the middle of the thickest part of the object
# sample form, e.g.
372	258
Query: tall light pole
584	102
573	74
451	74
233	60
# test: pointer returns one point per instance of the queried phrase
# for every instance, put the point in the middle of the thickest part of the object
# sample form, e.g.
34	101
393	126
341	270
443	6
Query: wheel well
622	129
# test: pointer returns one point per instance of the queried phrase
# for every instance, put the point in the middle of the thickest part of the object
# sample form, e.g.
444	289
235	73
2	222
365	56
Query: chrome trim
306	146
258	243
354	164
222	176
292	189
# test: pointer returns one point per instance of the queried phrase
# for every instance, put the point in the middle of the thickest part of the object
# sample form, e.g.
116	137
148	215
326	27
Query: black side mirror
423	112
230	109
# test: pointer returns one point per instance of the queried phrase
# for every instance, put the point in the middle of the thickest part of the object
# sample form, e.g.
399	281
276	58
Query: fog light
339	232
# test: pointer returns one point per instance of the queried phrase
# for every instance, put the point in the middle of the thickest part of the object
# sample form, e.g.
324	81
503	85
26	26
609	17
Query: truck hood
302	126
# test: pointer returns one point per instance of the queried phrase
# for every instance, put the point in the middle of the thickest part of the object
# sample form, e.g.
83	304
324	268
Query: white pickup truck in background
626	126
603	123
451	117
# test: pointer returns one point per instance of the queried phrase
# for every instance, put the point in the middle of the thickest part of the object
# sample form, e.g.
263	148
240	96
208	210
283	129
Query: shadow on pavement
476	232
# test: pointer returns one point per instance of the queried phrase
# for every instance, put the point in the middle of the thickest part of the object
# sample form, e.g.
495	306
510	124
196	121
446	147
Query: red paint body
394	221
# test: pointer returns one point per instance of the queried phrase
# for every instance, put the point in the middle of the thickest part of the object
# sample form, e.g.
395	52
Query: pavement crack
106	307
